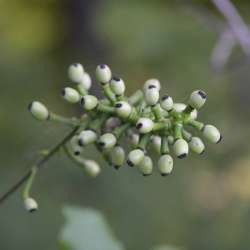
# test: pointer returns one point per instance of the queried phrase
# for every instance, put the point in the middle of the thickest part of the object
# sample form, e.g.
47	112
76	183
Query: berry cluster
146	120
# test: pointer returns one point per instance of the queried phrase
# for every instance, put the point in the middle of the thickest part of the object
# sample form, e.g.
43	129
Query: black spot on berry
118	105
151	86
130	163
182	156
202	94
116	78
139	125
165	97
219	139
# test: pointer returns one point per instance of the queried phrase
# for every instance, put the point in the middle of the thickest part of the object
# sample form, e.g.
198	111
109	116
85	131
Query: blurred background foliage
205	203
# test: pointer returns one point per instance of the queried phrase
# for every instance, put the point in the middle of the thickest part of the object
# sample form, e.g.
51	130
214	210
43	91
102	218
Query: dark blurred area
204	204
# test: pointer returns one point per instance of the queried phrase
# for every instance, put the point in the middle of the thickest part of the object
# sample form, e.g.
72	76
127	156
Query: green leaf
86	229
166	247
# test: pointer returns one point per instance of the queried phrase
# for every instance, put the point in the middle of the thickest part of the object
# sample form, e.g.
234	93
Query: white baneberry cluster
146	121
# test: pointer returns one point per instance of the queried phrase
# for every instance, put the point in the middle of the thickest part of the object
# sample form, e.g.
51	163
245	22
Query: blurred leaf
166	247
86	229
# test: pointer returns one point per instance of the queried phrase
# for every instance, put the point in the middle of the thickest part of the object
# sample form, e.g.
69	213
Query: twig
40	163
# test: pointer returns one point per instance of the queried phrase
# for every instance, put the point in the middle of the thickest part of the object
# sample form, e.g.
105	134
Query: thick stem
40	163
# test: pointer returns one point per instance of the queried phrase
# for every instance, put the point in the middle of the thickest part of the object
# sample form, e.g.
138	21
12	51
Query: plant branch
40	163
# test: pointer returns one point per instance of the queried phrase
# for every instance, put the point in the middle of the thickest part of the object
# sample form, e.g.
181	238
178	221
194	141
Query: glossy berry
107	141
86	81
30	205
91	168
134	139
180	148
74	145
111	123
197	99
196	145
212	134
135	157
151	96
87	137
89	102
38	110
146	166
117	156
103	73
70	95
144	125
165	164
167	103
152	83
75	72
123	109
117	86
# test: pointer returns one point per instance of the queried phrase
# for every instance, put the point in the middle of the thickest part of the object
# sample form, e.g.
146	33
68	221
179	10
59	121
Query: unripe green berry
152	82
211	133
38	110
167	103
30	205
74	145
89	102
75	72
87	137
197	99
196	145
134	139
180	148
146	166
135	157
179	107
156	143
111	123
107	141
86	81
117	86
151	96
103	73
165	164
70	95
123	109
144	125
117	156
92	168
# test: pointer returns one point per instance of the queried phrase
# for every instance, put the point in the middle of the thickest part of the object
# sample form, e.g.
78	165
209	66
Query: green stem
61	119
105	108
109	93
136	97
164	145
196	124
178	131
186	135
144	140
26	191
157	112
120	130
